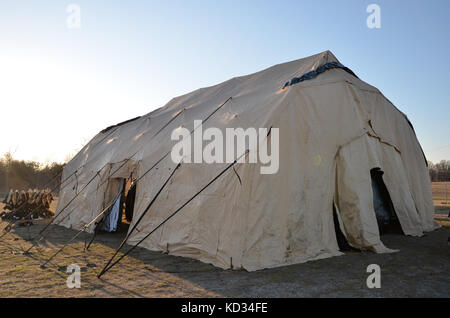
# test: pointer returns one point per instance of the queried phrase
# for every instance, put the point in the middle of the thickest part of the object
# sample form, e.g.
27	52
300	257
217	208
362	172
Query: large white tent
333	130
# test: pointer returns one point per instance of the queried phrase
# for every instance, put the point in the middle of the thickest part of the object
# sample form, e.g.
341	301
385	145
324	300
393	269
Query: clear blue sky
130	57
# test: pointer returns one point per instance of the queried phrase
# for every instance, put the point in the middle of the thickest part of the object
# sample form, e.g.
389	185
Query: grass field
420	268
441	193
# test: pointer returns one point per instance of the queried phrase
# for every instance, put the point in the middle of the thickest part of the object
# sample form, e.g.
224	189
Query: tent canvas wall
333	130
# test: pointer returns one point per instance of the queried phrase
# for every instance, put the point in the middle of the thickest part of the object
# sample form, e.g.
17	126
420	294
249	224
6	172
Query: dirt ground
420	269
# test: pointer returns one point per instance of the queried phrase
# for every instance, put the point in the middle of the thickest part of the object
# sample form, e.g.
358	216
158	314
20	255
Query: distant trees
439	171
23	175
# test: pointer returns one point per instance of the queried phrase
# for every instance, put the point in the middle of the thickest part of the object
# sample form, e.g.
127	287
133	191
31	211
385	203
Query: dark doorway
387	219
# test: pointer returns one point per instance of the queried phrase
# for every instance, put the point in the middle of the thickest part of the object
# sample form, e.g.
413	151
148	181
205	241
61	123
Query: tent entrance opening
387	219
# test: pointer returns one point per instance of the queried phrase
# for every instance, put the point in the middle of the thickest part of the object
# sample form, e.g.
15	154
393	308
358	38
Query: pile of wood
31	204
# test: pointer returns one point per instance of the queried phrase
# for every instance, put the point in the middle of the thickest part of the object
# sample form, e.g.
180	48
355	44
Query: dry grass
441	194
420	269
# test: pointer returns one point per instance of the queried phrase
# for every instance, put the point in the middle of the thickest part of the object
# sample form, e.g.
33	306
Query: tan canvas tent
333	130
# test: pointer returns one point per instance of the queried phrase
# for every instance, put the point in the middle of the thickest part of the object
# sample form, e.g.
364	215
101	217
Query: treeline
24	175
439	171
